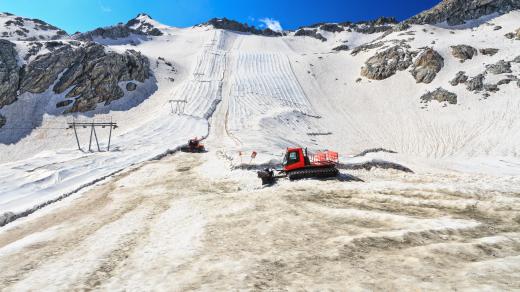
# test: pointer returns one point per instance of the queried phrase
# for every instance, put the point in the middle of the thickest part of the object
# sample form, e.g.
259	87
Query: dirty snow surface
138	219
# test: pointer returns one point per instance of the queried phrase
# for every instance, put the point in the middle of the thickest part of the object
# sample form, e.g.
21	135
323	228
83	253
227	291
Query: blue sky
83	15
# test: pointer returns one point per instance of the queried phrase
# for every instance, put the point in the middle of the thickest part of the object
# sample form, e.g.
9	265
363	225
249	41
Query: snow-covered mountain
443	97
17	28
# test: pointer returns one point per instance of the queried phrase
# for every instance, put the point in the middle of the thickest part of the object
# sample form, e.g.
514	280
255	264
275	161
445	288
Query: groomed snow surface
188	222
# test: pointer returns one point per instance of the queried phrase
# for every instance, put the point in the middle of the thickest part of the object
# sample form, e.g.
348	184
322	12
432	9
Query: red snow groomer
194	146
299	164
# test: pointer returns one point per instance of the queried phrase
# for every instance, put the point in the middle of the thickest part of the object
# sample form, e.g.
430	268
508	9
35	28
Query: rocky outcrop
459	78
130	86
9	73
3	120
64	103
95	75
92	74
476	83
440	95
112	32
332	27
341	48
43	71
489	51
386	63
143	23
427	65
463	52
366	47
228	24
513	35
313	33
499	68
516	60
26	29
456	12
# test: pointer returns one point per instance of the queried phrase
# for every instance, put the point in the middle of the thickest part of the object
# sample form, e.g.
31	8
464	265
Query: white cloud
272	24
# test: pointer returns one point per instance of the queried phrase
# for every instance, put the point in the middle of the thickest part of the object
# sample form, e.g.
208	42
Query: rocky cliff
86	69
456	12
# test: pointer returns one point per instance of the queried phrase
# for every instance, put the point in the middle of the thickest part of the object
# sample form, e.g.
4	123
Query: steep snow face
17	28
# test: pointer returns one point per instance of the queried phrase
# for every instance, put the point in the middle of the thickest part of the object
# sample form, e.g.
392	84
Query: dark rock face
386	63
476	83
427	65
332	27
141	23
488	51
366	47
137	26
499	68
504	81
45	69
130	86
341	48
9	73
2	121
440	95
456	12
64	103
513	35
112	32
95	76
491	87
463	52
516	60
92	73
227	24
313	33
459	78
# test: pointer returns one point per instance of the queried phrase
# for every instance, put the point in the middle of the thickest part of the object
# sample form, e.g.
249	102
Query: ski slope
145	132
271	93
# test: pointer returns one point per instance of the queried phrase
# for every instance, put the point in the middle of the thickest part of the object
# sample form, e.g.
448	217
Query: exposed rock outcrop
488	51
9	73
341	48
476	83
332	27
513	35
499	67
463	52
95	76
228	24
17	28
386	63
459	78
366	47
64	103
2	121
130	86
427	65
92	74
456	12
440	95
313	33
118	31
143	23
